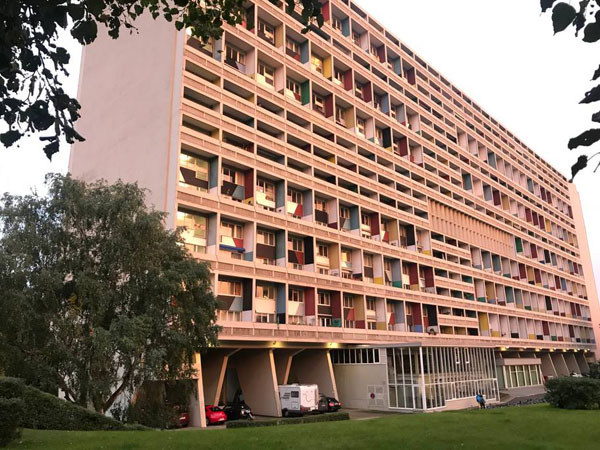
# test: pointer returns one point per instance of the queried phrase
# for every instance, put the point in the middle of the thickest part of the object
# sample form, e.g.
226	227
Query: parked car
214	415
184	419
328	404
299	399
238	410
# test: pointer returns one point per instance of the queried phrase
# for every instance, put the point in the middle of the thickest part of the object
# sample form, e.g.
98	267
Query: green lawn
530	427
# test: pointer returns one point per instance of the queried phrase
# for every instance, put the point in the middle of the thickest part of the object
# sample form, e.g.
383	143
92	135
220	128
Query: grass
528	427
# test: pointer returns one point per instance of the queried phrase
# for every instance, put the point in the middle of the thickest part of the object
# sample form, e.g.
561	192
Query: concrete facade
344	194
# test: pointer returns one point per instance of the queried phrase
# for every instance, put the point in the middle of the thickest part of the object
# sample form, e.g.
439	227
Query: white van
298	398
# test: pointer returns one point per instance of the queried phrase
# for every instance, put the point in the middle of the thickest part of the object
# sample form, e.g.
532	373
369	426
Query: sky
503	55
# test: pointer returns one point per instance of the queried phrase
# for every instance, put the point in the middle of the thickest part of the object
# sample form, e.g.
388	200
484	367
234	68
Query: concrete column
283	363
314	367
214	365
197	412
582	362
559	364
258	380
571	363
548	369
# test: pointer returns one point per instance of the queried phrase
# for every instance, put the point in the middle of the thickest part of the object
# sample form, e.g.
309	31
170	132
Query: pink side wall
586	262
130	91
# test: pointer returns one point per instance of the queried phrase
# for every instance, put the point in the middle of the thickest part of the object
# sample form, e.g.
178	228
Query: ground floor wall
394	378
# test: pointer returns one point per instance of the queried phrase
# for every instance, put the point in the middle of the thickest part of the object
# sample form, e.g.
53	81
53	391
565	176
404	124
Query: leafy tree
97	296
585	17
32	98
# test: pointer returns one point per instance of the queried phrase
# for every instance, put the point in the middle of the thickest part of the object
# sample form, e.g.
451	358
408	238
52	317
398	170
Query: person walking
481	400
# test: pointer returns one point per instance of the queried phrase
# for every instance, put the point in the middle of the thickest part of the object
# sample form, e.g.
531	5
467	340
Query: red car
214	415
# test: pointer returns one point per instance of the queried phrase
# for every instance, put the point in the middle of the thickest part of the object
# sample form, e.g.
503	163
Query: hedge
573	392
331	417
11	413
45	411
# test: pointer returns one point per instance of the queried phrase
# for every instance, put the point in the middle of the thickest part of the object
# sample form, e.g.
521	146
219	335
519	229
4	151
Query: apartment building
368	226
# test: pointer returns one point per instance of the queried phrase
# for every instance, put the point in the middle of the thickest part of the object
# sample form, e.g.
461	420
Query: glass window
230	229
316	62
267	187
266	291
293	86
295	196
296	244
324	299
296	295
235	54
230	287
361	125
267	31
267	72
323	250
266	237
292	45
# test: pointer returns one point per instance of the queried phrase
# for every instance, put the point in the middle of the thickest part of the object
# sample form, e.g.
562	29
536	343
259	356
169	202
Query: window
379	135
389	307
365	219
230	229
296	244
294	196
368	260
356	38
336	23
293	86
338	76
318	103
266	187
267	72
373	49
360	126
348	301
231	175
235	54
196	228
292	46
296	295
265	237
323	250
200	168
324	299
316	63
371	325
320	204
230	287
358	89
324	321
344	212
340	115
377	102
265	318
265	291
266	31
371	302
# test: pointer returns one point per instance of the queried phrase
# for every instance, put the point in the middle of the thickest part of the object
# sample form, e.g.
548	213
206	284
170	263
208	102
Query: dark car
238	410
328	404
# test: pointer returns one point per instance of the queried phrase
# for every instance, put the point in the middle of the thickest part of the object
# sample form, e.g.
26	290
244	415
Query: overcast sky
503	55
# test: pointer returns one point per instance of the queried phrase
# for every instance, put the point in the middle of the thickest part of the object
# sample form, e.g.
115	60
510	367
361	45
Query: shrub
332	417
573	392
11	413
45	411
157	404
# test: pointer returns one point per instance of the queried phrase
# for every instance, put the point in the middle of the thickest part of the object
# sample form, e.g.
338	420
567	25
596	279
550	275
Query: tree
97	296
586	18
32	98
